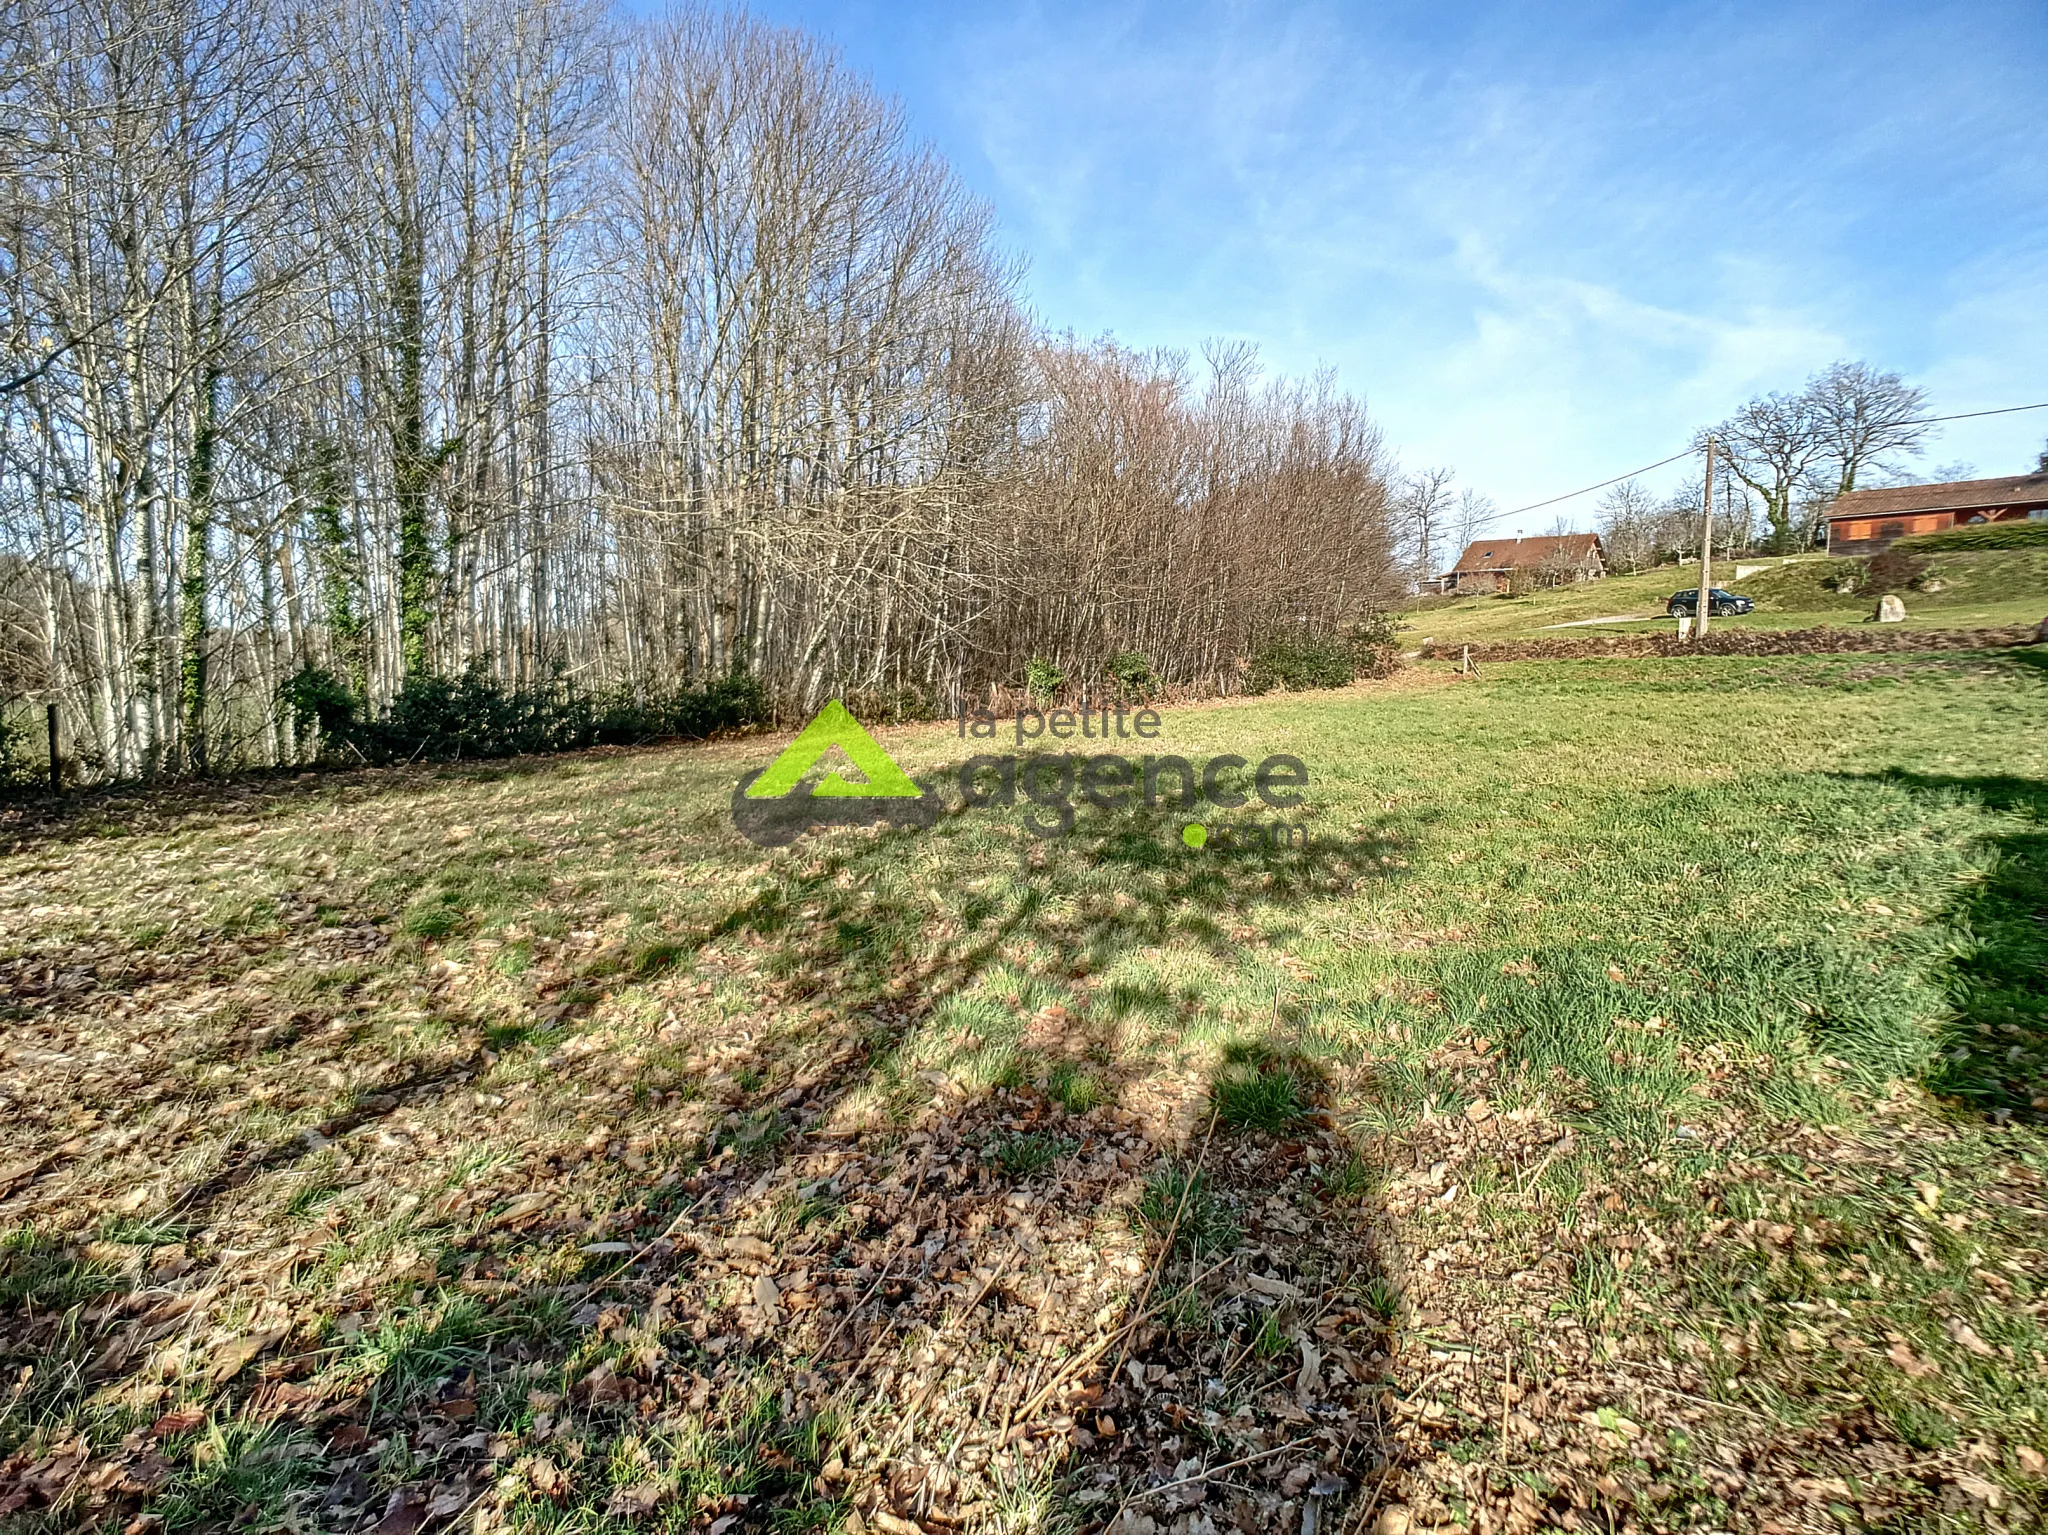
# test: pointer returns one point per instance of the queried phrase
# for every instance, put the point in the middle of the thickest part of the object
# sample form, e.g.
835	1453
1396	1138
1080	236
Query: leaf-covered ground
1624	1112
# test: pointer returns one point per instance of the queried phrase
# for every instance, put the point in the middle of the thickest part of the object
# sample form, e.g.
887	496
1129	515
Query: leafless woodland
399	336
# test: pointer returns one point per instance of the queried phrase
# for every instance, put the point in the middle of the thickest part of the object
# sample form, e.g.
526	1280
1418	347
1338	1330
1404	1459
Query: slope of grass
1979	589
2031	534
431	1135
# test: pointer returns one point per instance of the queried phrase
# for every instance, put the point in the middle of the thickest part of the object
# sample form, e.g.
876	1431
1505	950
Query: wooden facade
1863	522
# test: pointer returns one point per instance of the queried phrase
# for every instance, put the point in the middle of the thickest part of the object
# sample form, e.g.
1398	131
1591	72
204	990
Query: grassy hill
1979	589
1619	1106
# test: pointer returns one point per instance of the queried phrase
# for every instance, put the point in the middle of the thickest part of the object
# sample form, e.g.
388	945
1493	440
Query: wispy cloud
1546	243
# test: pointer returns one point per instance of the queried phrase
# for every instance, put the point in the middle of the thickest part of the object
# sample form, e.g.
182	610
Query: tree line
353	346
1783	458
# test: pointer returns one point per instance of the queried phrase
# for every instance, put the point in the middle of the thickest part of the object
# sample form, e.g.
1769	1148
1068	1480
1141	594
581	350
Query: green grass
235	1473
1022	1155
1989	535
1180	1200
1255	1091
1575	951
38	1269
1077	1089
1978	589
756	1134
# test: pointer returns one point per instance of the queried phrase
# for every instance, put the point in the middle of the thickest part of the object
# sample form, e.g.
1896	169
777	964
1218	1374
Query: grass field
1623	1112
1977	591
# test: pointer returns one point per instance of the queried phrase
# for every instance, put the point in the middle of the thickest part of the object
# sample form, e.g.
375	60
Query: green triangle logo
834	726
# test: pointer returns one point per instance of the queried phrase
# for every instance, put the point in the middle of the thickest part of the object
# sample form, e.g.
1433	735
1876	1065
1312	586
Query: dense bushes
1984	535
17	769
1042	679
1133	675
1299	663
1296	662
474	715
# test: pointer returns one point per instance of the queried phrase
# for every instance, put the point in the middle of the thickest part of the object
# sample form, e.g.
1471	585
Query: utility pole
1705	601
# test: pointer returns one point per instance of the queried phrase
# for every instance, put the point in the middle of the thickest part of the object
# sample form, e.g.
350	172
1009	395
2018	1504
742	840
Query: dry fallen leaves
230	1358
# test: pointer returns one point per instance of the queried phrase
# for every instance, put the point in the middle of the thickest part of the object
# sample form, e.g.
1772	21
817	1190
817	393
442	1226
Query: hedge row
1983	535
1744	642
474	715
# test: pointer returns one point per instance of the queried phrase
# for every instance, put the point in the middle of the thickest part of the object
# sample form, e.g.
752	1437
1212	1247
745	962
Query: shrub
316	696
1984	535
474	715
1132	673
1042	679
1375	645
895	705
17	770
1296	662
625	716
731	702
470	715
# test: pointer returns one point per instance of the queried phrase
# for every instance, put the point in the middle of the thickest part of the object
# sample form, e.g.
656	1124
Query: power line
2003	410
1537	506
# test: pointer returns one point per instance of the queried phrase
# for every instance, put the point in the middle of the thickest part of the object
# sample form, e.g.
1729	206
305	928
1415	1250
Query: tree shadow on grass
1995	1048
640	1360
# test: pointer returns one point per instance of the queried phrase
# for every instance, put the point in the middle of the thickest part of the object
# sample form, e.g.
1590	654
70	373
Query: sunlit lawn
1977	591
1696	922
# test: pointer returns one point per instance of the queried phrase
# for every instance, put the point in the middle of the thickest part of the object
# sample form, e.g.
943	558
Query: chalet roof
1954	496
1517	553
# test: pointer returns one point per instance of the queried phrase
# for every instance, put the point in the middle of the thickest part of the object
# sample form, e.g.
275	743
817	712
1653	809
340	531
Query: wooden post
56	762
1704	605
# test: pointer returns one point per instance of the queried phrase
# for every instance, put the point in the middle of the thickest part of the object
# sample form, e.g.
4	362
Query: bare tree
1628	526
343	345
1185	519
1423	503
1796	452
1772	445
1861	418
1475	512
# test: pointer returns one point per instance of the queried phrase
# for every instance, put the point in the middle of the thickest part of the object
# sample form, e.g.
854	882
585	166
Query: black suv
1719	603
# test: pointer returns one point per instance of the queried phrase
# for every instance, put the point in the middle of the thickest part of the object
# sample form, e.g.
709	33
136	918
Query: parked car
1719	603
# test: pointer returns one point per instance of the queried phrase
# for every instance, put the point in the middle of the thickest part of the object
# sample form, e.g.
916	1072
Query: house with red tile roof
1515	564
1864	521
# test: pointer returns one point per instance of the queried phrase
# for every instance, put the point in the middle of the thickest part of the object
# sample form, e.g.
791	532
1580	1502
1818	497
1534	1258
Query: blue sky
1545	242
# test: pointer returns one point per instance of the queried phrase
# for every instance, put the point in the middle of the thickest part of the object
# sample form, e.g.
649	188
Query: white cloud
1545	246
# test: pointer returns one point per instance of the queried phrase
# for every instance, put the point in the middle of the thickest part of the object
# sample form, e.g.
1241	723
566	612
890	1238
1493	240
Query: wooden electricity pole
1705	601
